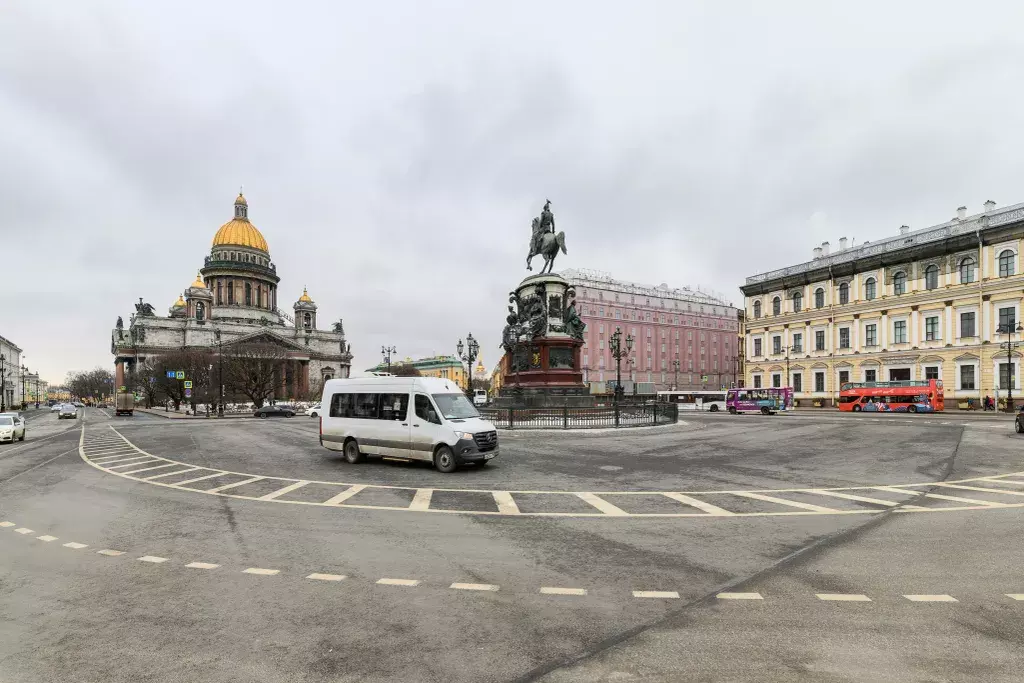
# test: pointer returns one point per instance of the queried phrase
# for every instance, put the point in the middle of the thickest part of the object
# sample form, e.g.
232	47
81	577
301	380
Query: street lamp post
675	379
3	383
619	351
471	349
24	372
386	351
220	373
1010	345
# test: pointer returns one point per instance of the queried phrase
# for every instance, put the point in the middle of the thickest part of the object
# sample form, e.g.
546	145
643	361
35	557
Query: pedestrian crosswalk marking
783	501
344	495
603	505
699	504
281	491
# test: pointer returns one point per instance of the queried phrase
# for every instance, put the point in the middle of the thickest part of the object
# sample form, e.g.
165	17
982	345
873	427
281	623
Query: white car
55	408
12	427
313	410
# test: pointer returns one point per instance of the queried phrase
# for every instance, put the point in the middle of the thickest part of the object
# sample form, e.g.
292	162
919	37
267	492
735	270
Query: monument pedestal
543	341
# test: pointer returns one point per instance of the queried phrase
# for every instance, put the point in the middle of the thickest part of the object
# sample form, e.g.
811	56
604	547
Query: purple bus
767	400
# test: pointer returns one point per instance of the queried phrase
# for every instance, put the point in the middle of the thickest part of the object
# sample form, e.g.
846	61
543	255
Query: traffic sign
180	374
170	374
124	388
188	393
703	378
188	384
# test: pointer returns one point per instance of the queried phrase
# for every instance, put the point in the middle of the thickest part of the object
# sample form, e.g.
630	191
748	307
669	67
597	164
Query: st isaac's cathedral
234	300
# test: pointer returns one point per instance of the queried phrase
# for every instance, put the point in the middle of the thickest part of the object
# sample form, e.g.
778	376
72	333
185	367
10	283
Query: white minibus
411	418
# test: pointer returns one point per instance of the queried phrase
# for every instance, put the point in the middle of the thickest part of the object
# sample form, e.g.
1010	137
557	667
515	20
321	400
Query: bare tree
405	370
195	364
96	384
250	369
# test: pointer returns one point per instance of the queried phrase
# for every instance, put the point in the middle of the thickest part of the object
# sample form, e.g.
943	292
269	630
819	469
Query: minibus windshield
455	406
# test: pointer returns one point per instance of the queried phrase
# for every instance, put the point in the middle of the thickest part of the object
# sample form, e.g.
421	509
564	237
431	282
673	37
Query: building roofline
897	243
597	279
14	346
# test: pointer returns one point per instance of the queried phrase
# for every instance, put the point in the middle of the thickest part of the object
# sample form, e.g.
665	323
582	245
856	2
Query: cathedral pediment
268	338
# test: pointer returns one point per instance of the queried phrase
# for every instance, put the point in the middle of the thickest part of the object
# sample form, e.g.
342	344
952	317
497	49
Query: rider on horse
542	225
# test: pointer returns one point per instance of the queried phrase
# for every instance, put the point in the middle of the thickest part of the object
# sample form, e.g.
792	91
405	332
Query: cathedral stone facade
233	301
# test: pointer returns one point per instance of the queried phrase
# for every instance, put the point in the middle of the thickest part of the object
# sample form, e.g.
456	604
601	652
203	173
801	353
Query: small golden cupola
305	311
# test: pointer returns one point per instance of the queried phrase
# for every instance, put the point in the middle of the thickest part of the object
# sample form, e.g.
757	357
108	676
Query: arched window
259	297
967	270
869	288
220	299
248	294
844	293
200	311
1006	263
798	302
231	291
819	298
232	256
776	306
931	277
307	320
899	283
757	309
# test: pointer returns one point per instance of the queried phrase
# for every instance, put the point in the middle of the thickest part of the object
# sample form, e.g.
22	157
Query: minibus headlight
464	435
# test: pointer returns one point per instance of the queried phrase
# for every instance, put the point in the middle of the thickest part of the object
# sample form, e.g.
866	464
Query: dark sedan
274	411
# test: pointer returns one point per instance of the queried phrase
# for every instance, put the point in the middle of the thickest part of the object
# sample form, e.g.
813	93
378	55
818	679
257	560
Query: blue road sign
170	374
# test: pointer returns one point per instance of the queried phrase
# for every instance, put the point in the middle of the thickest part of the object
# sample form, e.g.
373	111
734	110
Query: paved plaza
799	547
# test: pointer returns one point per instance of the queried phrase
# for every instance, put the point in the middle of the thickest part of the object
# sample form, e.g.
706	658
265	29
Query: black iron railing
572	417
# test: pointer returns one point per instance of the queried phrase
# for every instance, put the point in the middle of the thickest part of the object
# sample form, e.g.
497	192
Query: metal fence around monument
574	417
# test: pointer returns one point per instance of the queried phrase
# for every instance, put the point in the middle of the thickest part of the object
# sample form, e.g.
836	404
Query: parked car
67	410
313	410
275	411
1018	423
55	408
78	404
12	427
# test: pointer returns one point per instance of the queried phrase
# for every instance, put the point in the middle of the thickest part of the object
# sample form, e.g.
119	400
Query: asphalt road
803	547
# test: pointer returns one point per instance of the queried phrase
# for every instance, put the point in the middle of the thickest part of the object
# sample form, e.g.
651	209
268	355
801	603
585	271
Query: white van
413	418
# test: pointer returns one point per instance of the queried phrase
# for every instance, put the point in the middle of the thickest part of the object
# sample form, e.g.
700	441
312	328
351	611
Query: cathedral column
118	375
304	377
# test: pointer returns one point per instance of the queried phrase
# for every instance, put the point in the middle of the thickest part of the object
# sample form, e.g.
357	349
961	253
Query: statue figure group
143	308
544	240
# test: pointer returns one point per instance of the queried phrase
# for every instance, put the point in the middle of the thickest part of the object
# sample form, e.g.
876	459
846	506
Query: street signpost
188	384
171	374
180	374
188	393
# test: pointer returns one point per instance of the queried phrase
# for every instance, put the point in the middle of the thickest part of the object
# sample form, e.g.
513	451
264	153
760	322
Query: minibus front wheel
444	459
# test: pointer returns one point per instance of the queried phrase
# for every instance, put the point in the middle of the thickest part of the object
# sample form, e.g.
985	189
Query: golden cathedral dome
239	232
305	296
180	303
199	281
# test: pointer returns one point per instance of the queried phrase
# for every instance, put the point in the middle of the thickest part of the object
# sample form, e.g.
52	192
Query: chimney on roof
842	244
817	252
961	212
990	206
824	248
904	229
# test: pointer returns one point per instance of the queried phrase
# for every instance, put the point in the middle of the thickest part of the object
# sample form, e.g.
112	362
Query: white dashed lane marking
930	598
137	465
110	553
843	597
201	565
23	531
740	596
409	583
47	539
326	577
552	590
474	586
261	572
75	546
656	594
6	524
152	558
1015	596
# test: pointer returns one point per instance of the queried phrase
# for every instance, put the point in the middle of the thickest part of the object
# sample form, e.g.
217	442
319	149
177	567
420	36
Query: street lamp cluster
1009	345
619	351
386	352
468	354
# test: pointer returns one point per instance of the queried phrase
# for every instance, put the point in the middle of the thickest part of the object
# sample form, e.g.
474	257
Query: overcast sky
394	154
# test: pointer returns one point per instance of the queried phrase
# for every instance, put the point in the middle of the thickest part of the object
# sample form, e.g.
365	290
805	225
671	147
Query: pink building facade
698	329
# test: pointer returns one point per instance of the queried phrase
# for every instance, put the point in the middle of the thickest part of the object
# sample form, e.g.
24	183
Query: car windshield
6	421
455	406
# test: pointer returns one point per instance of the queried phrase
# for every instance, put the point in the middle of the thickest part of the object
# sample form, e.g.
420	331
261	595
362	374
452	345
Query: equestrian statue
545	241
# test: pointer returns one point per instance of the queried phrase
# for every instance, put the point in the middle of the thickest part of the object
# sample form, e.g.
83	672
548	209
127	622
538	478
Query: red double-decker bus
892	397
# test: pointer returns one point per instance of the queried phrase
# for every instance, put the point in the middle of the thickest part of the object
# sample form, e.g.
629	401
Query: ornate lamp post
619	351
468	354
220	373
1009	345
675	380
386	352
3	383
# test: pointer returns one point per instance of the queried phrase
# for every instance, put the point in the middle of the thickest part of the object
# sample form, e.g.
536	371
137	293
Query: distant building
698	329
935	303
445	367
11	381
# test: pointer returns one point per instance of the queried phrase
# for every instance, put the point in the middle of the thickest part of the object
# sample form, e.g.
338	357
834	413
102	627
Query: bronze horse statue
547	245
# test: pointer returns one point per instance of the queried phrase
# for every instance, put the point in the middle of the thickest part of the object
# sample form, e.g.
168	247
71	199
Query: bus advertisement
923	396
766	400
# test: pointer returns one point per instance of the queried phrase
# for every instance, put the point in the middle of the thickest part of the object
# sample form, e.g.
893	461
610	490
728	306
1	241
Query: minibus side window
366	406
393	406
424	409
342	405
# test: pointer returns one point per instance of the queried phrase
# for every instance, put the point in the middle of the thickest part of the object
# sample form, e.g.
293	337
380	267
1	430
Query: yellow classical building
939	302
